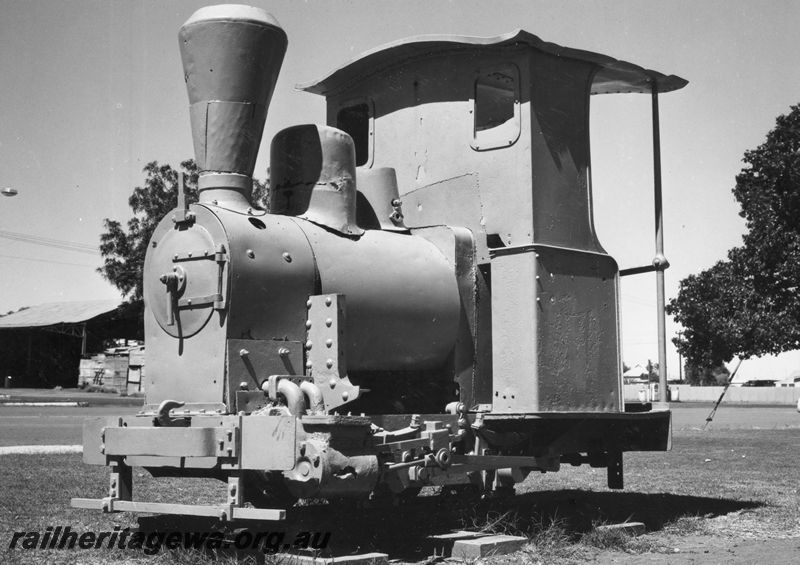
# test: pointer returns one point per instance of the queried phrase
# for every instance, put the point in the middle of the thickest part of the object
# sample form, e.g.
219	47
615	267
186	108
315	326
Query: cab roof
613	75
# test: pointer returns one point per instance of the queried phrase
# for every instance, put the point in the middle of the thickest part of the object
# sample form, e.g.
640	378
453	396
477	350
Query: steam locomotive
425	301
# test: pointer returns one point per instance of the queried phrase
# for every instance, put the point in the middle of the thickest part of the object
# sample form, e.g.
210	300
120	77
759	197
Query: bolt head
328	301
328	322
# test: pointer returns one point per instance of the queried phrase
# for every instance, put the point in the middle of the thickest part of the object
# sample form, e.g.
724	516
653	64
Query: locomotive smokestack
231	57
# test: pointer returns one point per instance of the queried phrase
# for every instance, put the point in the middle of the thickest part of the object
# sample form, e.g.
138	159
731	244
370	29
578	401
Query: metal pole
660	262
83	340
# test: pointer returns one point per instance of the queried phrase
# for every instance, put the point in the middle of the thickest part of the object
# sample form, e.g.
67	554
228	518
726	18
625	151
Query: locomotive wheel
463	492
263	492
409	494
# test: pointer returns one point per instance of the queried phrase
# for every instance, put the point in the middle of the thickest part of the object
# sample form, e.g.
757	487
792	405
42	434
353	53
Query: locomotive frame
428	262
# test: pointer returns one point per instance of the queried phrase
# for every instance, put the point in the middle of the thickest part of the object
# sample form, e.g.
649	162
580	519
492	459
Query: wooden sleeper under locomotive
424	303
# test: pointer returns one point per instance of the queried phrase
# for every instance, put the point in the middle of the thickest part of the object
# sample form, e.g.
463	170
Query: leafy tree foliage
652	371
748	304
707	376
123	249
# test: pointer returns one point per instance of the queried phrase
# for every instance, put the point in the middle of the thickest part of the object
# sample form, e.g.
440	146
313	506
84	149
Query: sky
93	90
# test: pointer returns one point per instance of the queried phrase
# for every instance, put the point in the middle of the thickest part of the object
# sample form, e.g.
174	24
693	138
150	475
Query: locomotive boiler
425	301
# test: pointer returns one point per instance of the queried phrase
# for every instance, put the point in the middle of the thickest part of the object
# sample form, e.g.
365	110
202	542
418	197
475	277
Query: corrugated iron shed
56	313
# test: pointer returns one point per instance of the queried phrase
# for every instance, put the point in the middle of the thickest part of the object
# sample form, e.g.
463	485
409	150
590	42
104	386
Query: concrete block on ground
363	559
630	528
442	544
487	545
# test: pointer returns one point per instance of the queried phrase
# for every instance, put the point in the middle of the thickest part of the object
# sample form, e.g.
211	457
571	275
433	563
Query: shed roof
636	371
55	313
613	76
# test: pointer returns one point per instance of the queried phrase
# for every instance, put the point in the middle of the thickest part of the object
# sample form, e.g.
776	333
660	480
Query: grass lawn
715	487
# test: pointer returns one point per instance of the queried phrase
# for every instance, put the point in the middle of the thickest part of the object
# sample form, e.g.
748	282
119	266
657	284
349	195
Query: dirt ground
699	549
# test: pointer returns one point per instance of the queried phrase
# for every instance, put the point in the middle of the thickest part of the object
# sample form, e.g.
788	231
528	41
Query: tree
124	250
748	305
707	376
652	371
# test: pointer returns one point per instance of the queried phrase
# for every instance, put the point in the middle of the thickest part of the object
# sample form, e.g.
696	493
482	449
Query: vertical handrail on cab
659	261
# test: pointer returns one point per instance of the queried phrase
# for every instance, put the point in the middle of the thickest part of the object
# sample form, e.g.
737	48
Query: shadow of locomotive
406	530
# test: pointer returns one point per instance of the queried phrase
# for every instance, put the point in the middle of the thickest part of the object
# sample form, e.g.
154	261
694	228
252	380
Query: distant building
41	346
636	374
781	368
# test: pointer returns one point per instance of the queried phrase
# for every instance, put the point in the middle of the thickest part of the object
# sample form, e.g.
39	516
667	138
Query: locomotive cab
492	134
428	261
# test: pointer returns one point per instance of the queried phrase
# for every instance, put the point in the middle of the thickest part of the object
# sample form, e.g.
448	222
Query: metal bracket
182	215
235	485
325	355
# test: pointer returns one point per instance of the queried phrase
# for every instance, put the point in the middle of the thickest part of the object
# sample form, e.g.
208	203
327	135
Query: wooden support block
630	528
458	535
488	545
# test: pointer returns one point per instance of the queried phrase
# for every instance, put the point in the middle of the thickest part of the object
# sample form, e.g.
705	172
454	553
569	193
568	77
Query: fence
122	371
741	395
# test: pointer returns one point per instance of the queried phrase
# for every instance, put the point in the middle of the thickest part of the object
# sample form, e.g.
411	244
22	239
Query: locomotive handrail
528	247
637	270
659	262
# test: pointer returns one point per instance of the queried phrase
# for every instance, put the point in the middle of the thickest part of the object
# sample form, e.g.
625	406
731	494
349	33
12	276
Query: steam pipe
314	394
295	400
